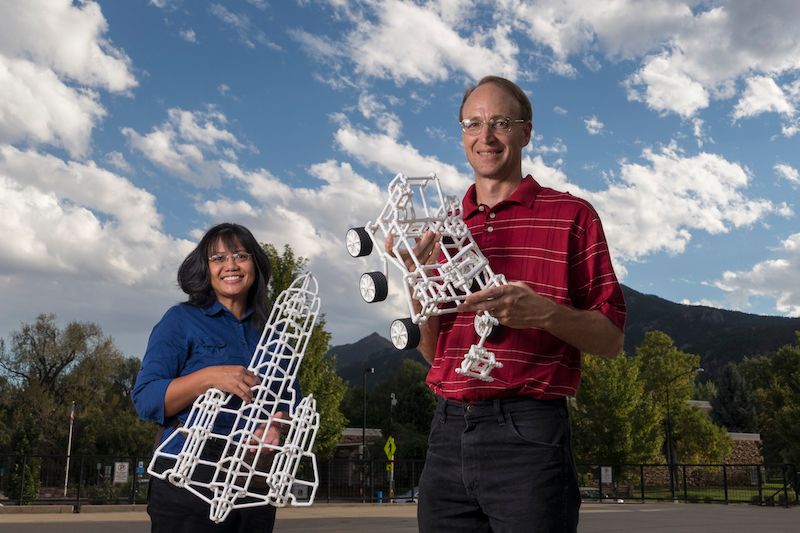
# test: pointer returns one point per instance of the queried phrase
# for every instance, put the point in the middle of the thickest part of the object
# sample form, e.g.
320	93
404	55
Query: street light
369	370
670	447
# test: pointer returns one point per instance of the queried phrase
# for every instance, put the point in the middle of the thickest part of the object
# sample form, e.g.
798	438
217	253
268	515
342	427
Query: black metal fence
764	484
41	479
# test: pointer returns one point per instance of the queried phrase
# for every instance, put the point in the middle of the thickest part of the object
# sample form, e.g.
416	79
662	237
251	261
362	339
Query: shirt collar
524	194
217	308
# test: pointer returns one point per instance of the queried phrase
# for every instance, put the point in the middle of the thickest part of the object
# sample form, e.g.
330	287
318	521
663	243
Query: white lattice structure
416	205
250	471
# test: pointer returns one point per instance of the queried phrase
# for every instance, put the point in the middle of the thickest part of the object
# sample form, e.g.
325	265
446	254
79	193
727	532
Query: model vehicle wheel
373	286
404	334
358	242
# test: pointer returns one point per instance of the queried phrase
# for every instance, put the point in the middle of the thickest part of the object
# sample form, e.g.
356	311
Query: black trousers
176	510
502	466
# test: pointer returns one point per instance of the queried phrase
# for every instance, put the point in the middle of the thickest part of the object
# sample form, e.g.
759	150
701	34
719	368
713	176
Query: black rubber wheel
374	287
405	334
358	242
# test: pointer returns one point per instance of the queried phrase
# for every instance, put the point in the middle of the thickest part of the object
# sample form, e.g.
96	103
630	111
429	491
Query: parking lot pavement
401	518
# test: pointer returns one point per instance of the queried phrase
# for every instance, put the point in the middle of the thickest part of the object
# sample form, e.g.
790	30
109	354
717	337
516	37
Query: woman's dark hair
195	280
526	111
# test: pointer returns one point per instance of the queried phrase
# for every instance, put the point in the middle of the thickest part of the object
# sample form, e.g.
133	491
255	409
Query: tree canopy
317	373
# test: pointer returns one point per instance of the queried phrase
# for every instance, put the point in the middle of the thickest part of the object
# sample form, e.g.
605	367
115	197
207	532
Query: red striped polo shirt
554	242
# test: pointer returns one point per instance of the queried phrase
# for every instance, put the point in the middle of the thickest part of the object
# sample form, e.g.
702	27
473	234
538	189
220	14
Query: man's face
494	155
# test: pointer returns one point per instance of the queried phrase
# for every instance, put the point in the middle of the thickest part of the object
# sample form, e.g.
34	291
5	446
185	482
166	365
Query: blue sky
128	128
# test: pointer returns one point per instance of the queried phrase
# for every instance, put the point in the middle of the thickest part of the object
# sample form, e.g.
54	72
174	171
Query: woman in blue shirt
205	342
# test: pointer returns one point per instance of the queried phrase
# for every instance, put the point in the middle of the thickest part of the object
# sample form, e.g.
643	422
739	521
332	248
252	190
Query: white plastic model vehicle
250	471
416	205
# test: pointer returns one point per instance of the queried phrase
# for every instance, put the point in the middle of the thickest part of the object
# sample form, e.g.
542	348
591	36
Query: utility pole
69	447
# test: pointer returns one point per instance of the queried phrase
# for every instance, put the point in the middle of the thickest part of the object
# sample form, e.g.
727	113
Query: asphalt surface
595	518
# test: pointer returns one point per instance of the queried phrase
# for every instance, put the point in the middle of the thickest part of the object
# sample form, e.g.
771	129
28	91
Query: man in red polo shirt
500	453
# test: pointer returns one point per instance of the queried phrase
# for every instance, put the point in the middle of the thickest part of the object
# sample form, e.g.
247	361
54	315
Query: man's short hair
512	88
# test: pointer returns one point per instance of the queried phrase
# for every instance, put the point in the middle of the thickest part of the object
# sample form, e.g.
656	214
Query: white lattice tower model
416	205
251	471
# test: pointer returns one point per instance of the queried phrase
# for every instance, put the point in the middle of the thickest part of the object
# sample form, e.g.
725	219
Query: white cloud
666	88
394	156
313	220
559	110
404	41
249	34
772	278
118	161
593	126
80	220
38	108
704	302
762	95
656	205
189	36
49	75
788	173
67	38
699	135
371	108
189	144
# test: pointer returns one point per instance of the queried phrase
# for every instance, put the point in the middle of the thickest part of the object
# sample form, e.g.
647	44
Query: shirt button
480	208
492	214
490	229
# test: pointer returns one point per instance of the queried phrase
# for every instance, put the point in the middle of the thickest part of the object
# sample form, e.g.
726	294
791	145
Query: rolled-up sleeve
166	354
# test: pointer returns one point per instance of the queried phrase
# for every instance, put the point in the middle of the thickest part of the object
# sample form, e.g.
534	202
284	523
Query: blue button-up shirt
188	339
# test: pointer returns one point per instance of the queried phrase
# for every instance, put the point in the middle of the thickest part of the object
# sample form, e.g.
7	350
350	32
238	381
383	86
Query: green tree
47	368
668	376
614	420
733	407
409	421
776	383
317	372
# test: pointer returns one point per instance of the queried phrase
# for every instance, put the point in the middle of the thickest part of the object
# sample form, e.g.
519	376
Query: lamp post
369	370
392	403
670	447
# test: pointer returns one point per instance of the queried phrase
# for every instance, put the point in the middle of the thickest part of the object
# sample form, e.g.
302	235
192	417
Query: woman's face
232	277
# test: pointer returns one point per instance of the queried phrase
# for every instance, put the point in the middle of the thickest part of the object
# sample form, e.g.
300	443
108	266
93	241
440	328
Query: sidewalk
401	518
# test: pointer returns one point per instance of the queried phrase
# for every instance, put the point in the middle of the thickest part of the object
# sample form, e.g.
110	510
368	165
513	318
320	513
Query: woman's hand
273	434
183	391
231	378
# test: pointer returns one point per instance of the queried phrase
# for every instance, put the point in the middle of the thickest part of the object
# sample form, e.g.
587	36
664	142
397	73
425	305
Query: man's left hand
515	305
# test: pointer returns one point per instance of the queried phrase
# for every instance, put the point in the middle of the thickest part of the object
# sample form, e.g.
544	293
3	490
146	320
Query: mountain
716	335
373	351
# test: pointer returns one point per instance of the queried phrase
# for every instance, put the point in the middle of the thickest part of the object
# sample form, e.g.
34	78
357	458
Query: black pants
502	466
176	510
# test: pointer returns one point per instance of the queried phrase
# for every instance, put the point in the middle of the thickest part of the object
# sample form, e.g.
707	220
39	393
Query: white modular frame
415	206
250	471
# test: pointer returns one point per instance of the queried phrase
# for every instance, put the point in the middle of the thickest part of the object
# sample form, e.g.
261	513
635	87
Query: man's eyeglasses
473	126
238	257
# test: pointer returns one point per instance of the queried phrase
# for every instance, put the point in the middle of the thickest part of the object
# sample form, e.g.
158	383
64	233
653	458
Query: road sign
390	448
120	472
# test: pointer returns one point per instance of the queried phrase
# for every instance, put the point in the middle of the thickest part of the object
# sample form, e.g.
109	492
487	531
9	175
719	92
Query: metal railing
42	479
758	484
